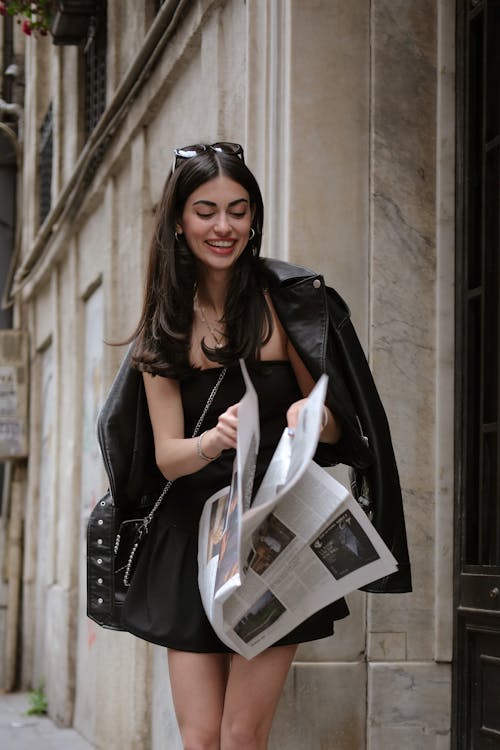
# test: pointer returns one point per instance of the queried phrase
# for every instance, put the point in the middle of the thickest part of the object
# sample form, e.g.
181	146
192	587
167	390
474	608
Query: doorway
476	679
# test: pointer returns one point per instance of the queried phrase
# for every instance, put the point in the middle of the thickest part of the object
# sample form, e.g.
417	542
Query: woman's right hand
224	434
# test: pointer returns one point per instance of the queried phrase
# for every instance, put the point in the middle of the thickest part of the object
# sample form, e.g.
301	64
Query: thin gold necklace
216	335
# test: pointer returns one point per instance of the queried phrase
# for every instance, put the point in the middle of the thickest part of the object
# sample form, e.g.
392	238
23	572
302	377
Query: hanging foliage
34	16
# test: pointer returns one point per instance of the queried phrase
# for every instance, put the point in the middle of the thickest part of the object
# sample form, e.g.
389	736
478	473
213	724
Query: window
95	69
45	165
480	285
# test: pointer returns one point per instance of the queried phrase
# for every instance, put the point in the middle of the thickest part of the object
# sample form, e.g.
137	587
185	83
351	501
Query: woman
208	304
209	301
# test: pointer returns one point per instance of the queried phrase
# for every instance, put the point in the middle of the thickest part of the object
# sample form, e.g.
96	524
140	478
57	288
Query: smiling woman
207	305
210	301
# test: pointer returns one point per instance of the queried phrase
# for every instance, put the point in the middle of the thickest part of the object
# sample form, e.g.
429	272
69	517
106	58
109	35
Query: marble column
408	691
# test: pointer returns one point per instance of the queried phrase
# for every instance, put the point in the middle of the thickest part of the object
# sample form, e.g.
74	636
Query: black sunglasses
224	147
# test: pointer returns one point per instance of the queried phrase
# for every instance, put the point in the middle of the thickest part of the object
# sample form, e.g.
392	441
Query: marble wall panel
323	707
403	272
412	614
408	706
403	228
328	149
388	645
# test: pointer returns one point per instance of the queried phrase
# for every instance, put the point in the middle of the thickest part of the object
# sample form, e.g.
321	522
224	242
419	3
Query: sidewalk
21	732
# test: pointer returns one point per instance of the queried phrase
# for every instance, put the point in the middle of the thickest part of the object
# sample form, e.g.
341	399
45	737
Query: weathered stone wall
411	340
346	114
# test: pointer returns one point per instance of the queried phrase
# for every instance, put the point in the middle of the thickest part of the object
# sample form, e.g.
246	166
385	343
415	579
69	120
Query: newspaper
267	565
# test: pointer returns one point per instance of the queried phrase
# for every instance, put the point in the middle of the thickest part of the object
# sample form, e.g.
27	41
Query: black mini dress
163	604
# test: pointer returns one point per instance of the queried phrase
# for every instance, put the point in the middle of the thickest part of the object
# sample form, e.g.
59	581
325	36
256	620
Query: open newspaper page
302	544
219	556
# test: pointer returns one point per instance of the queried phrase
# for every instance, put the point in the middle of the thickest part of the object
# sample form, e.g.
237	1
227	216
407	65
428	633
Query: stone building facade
346	113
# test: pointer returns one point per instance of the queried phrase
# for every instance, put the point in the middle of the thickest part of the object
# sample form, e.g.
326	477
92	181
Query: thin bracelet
200	452
324	421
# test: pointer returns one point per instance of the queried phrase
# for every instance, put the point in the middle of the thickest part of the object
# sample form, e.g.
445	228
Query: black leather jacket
318	323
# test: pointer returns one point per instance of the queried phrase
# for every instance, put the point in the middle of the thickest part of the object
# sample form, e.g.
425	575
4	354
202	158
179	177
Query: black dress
163	604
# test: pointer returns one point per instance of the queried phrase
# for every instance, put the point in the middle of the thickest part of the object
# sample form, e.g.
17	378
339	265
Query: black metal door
477	620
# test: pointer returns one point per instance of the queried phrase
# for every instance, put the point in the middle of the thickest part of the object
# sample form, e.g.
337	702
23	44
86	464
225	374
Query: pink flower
3	9
26	27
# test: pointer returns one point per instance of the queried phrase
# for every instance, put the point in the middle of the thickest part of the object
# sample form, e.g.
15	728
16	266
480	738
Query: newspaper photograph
304	542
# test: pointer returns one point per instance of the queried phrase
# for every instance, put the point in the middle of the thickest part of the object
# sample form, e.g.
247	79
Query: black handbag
105	590
115	536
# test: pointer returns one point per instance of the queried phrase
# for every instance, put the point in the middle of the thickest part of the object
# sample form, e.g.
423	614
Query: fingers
224	434
292	415
227	427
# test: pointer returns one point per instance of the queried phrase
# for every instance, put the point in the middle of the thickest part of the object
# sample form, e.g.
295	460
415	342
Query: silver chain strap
144	528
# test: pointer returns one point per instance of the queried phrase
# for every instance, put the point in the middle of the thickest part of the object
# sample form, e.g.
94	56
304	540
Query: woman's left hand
330	431
292	415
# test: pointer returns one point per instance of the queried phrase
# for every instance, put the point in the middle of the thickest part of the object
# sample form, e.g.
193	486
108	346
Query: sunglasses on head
224	147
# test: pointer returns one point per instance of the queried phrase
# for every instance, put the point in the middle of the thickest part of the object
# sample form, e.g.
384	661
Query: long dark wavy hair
163	335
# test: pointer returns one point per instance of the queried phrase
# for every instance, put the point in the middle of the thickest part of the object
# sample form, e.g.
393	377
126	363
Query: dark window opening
8	58
45	165
480	286
95	69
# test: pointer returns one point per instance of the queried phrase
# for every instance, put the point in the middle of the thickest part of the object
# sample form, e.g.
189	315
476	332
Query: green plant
37	14
38	702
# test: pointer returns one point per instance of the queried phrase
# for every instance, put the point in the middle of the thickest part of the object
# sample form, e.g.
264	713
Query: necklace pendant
216	335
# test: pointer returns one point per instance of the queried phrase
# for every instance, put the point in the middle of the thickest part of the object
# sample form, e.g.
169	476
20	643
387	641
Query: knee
242	735
200	739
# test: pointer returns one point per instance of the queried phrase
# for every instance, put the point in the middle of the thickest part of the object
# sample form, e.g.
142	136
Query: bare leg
252	694
198	687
